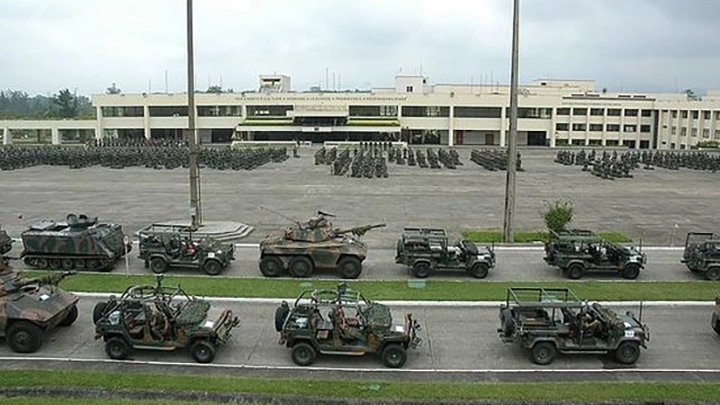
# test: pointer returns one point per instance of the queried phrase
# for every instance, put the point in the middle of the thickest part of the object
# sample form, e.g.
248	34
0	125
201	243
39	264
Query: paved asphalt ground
460	341
660	205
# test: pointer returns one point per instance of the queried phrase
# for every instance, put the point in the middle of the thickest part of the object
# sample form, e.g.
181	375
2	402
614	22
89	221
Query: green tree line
18	104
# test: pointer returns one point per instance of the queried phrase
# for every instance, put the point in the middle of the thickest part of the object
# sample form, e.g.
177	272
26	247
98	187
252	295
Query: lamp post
509	217
192	133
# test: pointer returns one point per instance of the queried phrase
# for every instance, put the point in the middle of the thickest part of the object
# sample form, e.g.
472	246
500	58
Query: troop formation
494	159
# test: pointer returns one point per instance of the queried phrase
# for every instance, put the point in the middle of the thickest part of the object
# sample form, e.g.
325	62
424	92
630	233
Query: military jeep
426	250
160	318
343	322
546	321
702	254
162	250
579	252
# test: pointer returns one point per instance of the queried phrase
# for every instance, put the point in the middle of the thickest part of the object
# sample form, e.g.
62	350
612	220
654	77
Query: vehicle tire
543	353
80	264
24	337
575	271
631	271
394	356
158	265
117	348
70	317
281	314
421	269
203	351
67	264
349	267
713	273
271	266
716	326
479	270
212	267
55	264
628	352
93	265
98	311
301	267
303	354
41	264
508	324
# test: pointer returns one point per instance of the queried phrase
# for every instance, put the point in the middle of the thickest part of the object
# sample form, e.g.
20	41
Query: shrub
558	215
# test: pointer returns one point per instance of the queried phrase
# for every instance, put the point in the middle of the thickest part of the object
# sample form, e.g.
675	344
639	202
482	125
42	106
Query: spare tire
98	311
508	324
281	314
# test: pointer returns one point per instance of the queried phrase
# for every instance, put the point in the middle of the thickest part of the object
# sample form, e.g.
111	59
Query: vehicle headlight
398	328
219	251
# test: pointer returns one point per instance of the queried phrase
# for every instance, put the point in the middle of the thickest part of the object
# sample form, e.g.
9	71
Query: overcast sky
645	45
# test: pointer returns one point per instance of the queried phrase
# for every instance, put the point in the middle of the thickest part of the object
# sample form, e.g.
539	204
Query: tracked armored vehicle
31	307
314	244
80	243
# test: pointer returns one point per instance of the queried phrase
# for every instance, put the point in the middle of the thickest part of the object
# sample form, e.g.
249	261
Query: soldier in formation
495	159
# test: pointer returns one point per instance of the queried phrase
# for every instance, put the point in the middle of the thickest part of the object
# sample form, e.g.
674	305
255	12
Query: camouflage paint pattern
5	242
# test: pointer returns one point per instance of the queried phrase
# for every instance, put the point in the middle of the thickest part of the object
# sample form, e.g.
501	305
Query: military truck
161	250
5	242
342	322
579	252
30	308
716	316
702	254
80	243
426	250
314	244
156	317
546	321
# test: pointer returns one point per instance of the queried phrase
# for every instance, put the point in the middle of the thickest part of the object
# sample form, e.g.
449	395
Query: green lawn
397	290
495	236
380	390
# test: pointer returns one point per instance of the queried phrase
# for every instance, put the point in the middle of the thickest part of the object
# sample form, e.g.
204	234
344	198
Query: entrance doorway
537	138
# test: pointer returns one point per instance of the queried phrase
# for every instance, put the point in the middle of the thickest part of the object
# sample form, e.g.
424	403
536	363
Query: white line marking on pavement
353	369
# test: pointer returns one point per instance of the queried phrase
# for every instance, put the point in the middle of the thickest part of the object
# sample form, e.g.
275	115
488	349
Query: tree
113	90
214	89
66	103
558	215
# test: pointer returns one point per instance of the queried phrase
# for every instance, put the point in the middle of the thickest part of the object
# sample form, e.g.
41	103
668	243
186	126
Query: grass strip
593	392
416	290
490	236
86	401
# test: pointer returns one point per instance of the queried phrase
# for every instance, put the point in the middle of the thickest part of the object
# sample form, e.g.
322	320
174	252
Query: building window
647	113
563	111
695	114
169	111
579	111
612	142
219	111
562	126
673	130
645	128
630	128
478	112
717	134
613	127
561	142
613	112
597	111
595	142
683	131
630	144
578	142
672	146
674	114
694	132
537	113
706	115
596	127
706	132
631	113
425	111
372	110
408	89
717	115
644	144
122	111
578	127
684	114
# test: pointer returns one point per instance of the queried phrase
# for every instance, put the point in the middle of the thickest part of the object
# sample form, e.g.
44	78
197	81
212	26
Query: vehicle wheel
41	264
70	317
508	324
543	353
349	267
575	271
271	266
212	267
631	271
301	266
54	264
628	352
80	264
24	337
281	314
99	311
93	265
158	265
67	264
716	326
421	269
479	270
203	351
394	356
713	273
117	348
303	354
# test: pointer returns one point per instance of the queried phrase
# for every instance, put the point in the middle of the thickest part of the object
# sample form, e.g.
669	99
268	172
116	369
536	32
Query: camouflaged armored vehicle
426	250
716	316
578	252
162	249
314	244
546	321
342	322
161	318
32	307
702	254
80	243
5	242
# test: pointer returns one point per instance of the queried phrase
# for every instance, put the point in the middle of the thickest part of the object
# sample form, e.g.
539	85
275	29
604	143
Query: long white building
552	113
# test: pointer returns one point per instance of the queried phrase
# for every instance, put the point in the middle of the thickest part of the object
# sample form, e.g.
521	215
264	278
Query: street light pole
509	218
192	133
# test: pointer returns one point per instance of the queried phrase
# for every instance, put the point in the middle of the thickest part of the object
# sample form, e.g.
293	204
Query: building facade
552	113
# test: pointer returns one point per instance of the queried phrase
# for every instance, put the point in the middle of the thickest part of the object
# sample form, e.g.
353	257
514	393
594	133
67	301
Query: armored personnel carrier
80	243
32	307
314	244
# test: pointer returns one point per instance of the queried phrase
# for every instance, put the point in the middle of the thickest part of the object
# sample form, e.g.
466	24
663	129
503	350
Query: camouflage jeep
160	318
162	250
702	254
343	322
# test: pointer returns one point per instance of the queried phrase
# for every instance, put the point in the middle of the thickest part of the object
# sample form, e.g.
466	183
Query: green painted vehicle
162	249
702	254
546	321
716	316
155	317
579	252
342	322
5	242
80	243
